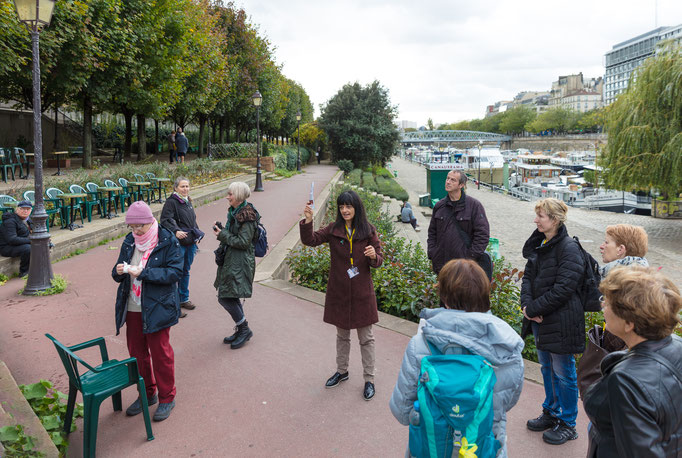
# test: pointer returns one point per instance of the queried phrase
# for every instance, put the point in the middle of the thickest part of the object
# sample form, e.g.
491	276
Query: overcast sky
448	60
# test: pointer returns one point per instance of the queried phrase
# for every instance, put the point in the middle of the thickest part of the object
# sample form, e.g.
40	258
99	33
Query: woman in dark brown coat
350	302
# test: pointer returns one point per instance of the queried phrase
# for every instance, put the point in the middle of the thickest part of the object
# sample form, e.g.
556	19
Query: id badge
352	272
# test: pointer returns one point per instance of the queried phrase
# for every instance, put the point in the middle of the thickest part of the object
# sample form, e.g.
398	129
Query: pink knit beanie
139	213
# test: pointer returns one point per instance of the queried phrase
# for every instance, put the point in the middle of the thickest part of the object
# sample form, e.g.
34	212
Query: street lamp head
298	116
257	99
34	13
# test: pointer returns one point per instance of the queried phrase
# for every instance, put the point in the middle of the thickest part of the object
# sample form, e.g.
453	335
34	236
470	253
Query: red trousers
155	357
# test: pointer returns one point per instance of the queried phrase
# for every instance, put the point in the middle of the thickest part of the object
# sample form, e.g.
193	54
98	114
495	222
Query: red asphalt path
266	399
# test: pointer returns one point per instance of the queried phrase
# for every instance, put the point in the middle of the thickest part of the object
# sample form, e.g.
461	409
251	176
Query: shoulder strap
663	362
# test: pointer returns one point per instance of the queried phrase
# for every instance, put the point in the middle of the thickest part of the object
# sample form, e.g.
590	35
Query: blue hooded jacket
482	334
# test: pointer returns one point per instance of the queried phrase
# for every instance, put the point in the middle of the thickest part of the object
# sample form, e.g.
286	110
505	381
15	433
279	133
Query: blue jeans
183	284
561	383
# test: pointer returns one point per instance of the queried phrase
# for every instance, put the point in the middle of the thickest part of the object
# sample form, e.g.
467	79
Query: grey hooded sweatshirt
482	334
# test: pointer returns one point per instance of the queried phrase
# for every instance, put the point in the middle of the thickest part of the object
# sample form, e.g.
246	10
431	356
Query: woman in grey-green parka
234	279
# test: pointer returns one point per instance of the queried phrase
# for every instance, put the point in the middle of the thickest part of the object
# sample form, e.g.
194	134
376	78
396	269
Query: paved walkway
511	221
266	399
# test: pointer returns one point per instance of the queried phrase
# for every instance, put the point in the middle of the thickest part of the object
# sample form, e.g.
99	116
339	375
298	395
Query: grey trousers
366	339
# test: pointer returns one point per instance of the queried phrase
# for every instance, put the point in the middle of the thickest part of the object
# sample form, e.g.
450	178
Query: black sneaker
560	434
543	422
368	392
335	379
136	407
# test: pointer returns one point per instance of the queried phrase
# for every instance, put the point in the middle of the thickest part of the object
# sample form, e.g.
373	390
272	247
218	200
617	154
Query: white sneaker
417	228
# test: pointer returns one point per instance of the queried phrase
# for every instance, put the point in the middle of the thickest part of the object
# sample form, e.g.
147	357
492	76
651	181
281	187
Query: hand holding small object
308	213
119	269
370	252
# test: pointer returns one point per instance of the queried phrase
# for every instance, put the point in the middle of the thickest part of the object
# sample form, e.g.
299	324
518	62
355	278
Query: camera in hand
218	225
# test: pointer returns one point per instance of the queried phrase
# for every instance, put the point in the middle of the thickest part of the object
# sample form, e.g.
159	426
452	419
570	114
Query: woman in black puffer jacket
554	314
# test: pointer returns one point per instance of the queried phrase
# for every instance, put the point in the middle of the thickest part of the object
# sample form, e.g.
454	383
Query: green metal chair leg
116	399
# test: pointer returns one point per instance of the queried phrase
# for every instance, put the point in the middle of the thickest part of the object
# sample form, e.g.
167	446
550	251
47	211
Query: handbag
220	253
484	260
600	343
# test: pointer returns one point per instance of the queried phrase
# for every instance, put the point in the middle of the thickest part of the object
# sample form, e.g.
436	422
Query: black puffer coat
160	299
552	279
13	231
635	408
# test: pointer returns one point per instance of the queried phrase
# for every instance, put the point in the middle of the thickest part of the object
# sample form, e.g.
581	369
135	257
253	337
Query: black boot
243	334
230	339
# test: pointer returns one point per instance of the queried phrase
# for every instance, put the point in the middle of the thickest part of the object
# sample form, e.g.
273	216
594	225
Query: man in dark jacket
14	232
445	241
182	145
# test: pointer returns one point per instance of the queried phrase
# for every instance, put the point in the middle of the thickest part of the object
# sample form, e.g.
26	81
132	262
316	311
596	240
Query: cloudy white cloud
445	59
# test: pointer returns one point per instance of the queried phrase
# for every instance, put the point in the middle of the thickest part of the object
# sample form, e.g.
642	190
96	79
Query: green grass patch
59	284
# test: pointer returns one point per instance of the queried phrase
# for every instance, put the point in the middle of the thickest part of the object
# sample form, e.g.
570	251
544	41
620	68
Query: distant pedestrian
179	217
459	227
635	408
14	232
553	313
465	323
182	145
234	279
624	245
318	154
172	150
350	302
148	268
406	215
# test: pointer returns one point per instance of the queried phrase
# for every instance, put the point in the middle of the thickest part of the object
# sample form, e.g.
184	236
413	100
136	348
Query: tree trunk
87	132
156	140
128	147
221	130
228	127
202	124
141	138
214	125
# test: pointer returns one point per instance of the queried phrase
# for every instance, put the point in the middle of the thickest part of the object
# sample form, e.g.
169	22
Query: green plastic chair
97	384
5	198
120	196
159	187
147	190
128	189
7	163
92	200
63	206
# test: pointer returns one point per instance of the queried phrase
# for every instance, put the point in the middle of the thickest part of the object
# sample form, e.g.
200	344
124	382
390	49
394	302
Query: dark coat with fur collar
350	303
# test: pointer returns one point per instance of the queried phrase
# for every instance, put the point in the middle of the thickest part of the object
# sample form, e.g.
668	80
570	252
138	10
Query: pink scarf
146	244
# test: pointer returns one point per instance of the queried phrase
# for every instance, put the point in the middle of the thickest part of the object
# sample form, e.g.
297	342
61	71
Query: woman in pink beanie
148	269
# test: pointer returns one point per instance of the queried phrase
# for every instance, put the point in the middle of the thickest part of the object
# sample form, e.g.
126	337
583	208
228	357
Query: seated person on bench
14	242
406	215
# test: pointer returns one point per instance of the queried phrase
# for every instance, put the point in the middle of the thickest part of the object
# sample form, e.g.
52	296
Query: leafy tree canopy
358	122
645	129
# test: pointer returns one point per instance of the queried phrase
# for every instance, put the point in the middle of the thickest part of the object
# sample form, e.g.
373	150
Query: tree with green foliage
358	122
312	136
593	120
645	129
557	119
514	120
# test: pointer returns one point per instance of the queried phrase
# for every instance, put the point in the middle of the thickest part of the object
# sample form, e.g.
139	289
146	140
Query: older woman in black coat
635	408
554	314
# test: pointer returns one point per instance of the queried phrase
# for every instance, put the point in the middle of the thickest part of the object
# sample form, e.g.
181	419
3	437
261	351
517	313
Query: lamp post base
259	182
40	269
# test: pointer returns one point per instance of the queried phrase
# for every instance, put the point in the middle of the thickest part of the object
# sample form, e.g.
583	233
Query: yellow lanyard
350	235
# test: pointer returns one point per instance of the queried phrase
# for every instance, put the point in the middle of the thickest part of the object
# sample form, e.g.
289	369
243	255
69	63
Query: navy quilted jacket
552	279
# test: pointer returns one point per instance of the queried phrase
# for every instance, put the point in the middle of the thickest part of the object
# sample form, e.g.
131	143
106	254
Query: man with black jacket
445	240
14	232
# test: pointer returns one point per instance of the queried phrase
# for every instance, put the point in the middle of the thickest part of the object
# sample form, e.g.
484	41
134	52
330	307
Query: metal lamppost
36	14
257	101
480	145
298	158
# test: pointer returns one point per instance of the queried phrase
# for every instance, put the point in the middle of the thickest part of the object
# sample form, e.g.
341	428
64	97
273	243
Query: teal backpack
454	413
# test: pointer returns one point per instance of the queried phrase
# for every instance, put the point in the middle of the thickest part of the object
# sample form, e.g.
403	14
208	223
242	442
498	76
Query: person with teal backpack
461	373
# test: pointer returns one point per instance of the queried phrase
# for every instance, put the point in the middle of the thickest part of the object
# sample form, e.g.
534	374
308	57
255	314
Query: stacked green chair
24	162
8	163
121	195
93	189
96	385
92	200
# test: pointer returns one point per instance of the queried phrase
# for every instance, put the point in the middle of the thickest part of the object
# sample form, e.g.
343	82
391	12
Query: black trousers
18	251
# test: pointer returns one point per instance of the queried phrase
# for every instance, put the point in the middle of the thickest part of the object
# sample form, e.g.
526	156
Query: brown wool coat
350	303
